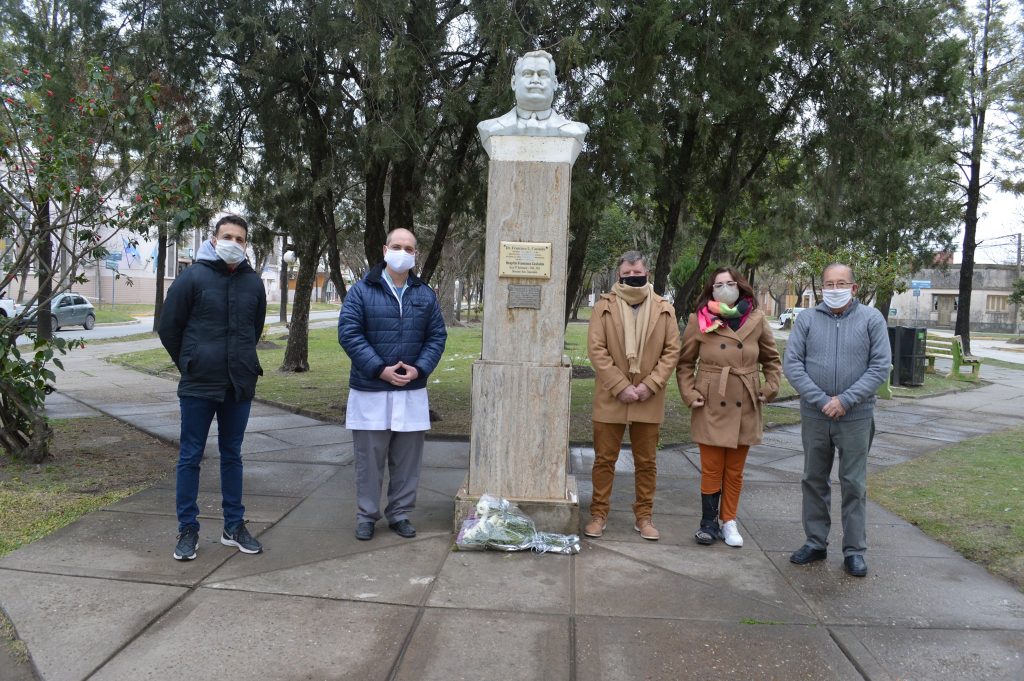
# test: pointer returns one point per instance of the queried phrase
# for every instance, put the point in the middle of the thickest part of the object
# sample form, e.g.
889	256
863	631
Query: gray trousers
822	439
403	453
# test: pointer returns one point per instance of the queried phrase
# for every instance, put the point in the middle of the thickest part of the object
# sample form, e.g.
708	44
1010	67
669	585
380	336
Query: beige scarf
634	323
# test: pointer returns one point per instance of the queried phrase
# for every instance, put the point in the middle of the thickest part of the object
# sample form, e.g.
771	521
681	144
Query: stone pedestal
519	446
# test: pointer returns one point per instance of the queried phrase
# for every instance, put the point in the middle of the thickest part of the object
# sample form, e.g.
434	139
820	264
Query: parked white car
6	308
788	316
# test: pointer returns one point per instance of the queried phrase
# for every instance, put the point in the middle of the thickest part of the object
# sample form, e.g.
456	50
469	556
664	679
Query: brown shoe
647	529
595	528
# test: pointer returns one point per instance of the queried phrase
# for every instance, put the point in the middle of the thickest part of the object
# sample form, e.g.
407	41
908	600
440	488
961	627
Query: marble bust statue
534	83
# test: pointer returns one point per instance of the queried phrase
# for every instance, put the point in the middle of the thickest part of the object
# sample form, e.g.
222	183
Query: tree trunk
679	189
296	354
723	201
577	260
44	274
375	234
161	269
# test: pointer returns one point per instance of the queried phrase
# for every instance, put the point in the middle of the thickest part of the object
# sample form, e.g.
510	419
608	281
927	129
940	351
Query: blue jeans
196	416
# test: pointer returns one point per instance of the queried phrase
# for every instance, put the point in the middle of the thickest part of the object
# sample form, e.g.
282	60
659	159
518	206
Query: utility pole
1016	306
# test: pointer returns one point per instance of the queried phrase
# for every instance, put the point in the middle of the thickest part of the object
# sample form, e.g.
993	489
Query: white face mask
229	251
399	260
726	294
837	297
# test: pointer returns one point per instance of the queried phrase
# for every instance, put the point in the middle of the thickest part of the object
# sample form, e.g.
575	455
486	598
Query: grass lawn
94	462
969	496
108	316
275	308
323	390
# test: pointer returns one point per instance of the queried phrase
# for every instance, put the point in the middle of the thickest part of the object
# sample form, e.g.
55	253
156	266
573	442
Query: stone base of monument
549	515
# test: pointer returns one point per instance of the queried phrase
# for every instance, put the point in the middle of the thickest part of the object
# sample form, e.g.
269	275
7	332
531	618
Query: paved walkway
103	600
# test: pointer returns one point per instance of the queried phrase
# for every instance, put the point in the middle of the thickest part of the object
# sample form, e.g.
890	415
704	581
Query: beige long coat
722	368
606	348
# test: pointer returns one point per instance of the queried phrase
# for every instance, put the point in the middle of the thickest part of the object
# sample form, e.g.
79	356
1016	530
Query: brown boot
595	528
647	529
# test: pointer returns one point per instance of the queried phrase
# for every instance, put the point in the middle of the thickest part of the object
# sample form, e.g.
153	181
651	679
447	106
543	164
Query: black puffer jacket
376	334
210	324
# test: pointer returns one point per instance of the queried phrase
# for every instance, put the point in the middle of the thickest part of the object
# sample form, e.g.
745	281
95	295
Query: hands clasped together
399	374
634	393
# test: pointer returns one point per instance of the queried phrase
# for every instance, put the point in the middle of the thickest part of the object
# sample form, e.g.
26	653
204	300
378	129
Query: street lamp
288	257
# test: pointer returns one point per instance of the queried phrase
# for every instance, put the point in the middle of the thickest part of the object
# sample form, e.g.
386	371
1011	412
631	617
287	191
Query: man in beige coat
633	344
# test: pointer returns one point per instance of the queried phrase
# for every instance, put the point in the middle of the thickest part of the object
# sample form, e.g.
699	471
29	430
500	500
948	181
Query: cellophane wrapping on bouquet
498	524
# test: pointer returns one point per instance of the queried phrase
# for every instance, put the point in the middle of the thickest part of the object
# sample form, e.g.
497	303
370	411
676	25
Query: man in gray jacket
836	358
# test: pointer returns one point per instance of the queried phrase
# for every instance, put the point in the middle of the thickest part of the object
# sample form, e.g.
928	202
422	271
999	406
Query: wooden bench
950	347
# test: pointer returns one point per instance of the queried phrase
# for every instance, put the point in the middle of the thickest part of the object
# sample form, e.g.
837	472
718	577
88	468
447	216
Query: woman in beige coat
726	346
633	344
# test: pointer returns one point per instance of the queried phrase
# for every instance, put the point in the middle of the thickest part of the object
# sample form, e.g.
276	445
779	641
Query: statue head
534	82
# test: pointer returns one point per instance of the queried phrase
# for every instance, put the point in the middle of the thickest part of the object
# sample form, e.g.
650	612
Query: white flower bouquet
499	524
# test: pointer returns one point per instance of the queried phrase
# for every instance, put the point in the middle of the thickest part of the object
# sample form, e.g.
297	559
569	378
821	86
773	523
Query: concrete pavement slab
289	547
266	477
124	546
400	574
305	436
906	591
675	528
161	501
71	625
719	568
335	455
60	406
487	645
623	649
900	539
951	655
282	420
236	636
608	583
446	454
512	582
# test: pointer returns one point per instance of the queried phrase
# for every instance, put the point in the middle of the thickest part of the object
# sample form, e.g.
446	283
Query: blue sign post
920	283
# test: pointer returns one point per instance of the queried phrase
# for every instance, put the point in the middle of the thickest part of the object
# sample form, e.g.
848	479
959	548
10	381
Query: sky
1002	215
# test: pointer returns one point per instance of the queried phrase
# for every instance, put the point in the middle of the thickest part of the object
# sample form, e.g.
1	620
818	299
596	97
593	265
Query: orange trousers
721	470
607	442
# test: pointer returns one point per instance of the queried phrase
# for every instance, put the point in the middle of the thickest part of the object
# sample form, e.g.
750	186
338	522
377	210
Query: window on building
997	304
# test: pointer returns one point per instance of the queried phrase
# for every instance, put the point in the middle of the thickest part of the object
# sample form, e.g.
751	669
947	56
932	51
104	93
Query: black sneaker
241	538
187	542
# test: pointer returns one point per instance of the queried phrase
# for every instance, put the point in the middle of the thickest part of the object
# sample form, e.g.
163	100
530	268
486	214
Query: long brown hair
746	290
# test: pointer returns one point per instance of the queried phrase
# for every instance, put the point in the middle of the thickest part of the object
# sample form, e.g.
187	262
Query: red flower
138	197
49	93
72	100
25	71
106	68
47	76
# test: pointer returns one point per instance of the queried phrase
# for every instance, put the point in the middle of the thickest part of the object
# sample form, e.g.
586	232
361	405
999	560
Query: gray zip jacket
846	356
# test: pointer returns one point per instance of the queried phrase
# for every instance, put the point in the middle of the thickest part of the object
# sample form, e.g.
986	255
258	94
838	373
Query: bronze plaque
525	259
524	295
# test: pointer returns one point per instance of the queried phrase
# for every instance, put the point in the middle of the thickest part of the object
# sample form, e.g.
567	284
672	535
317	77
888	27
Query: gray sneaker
241	538
187	542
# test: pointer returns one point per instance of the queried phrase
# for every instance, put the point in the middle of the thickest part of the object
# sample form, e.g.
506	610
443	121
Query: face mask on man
726	294
837	297
229	251
399	260
636	281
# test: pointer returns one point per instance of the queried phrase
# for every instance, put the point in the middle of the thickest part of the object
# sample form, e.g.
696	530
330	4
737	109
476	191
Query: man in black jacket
212	319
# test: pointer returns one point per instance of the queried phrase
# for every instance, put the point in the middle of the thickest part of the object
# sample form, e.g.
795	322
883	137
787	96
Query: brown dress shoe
647	529
595	528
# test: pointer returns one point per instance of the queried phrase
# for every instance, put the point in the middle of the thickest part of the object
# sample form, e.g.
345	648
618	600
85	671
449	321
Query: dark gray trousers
403	453
822	440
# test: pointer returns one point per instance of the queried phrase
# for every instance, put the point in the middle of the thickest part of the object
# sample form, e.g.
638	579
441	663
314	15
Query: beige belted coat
607	352
722	367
